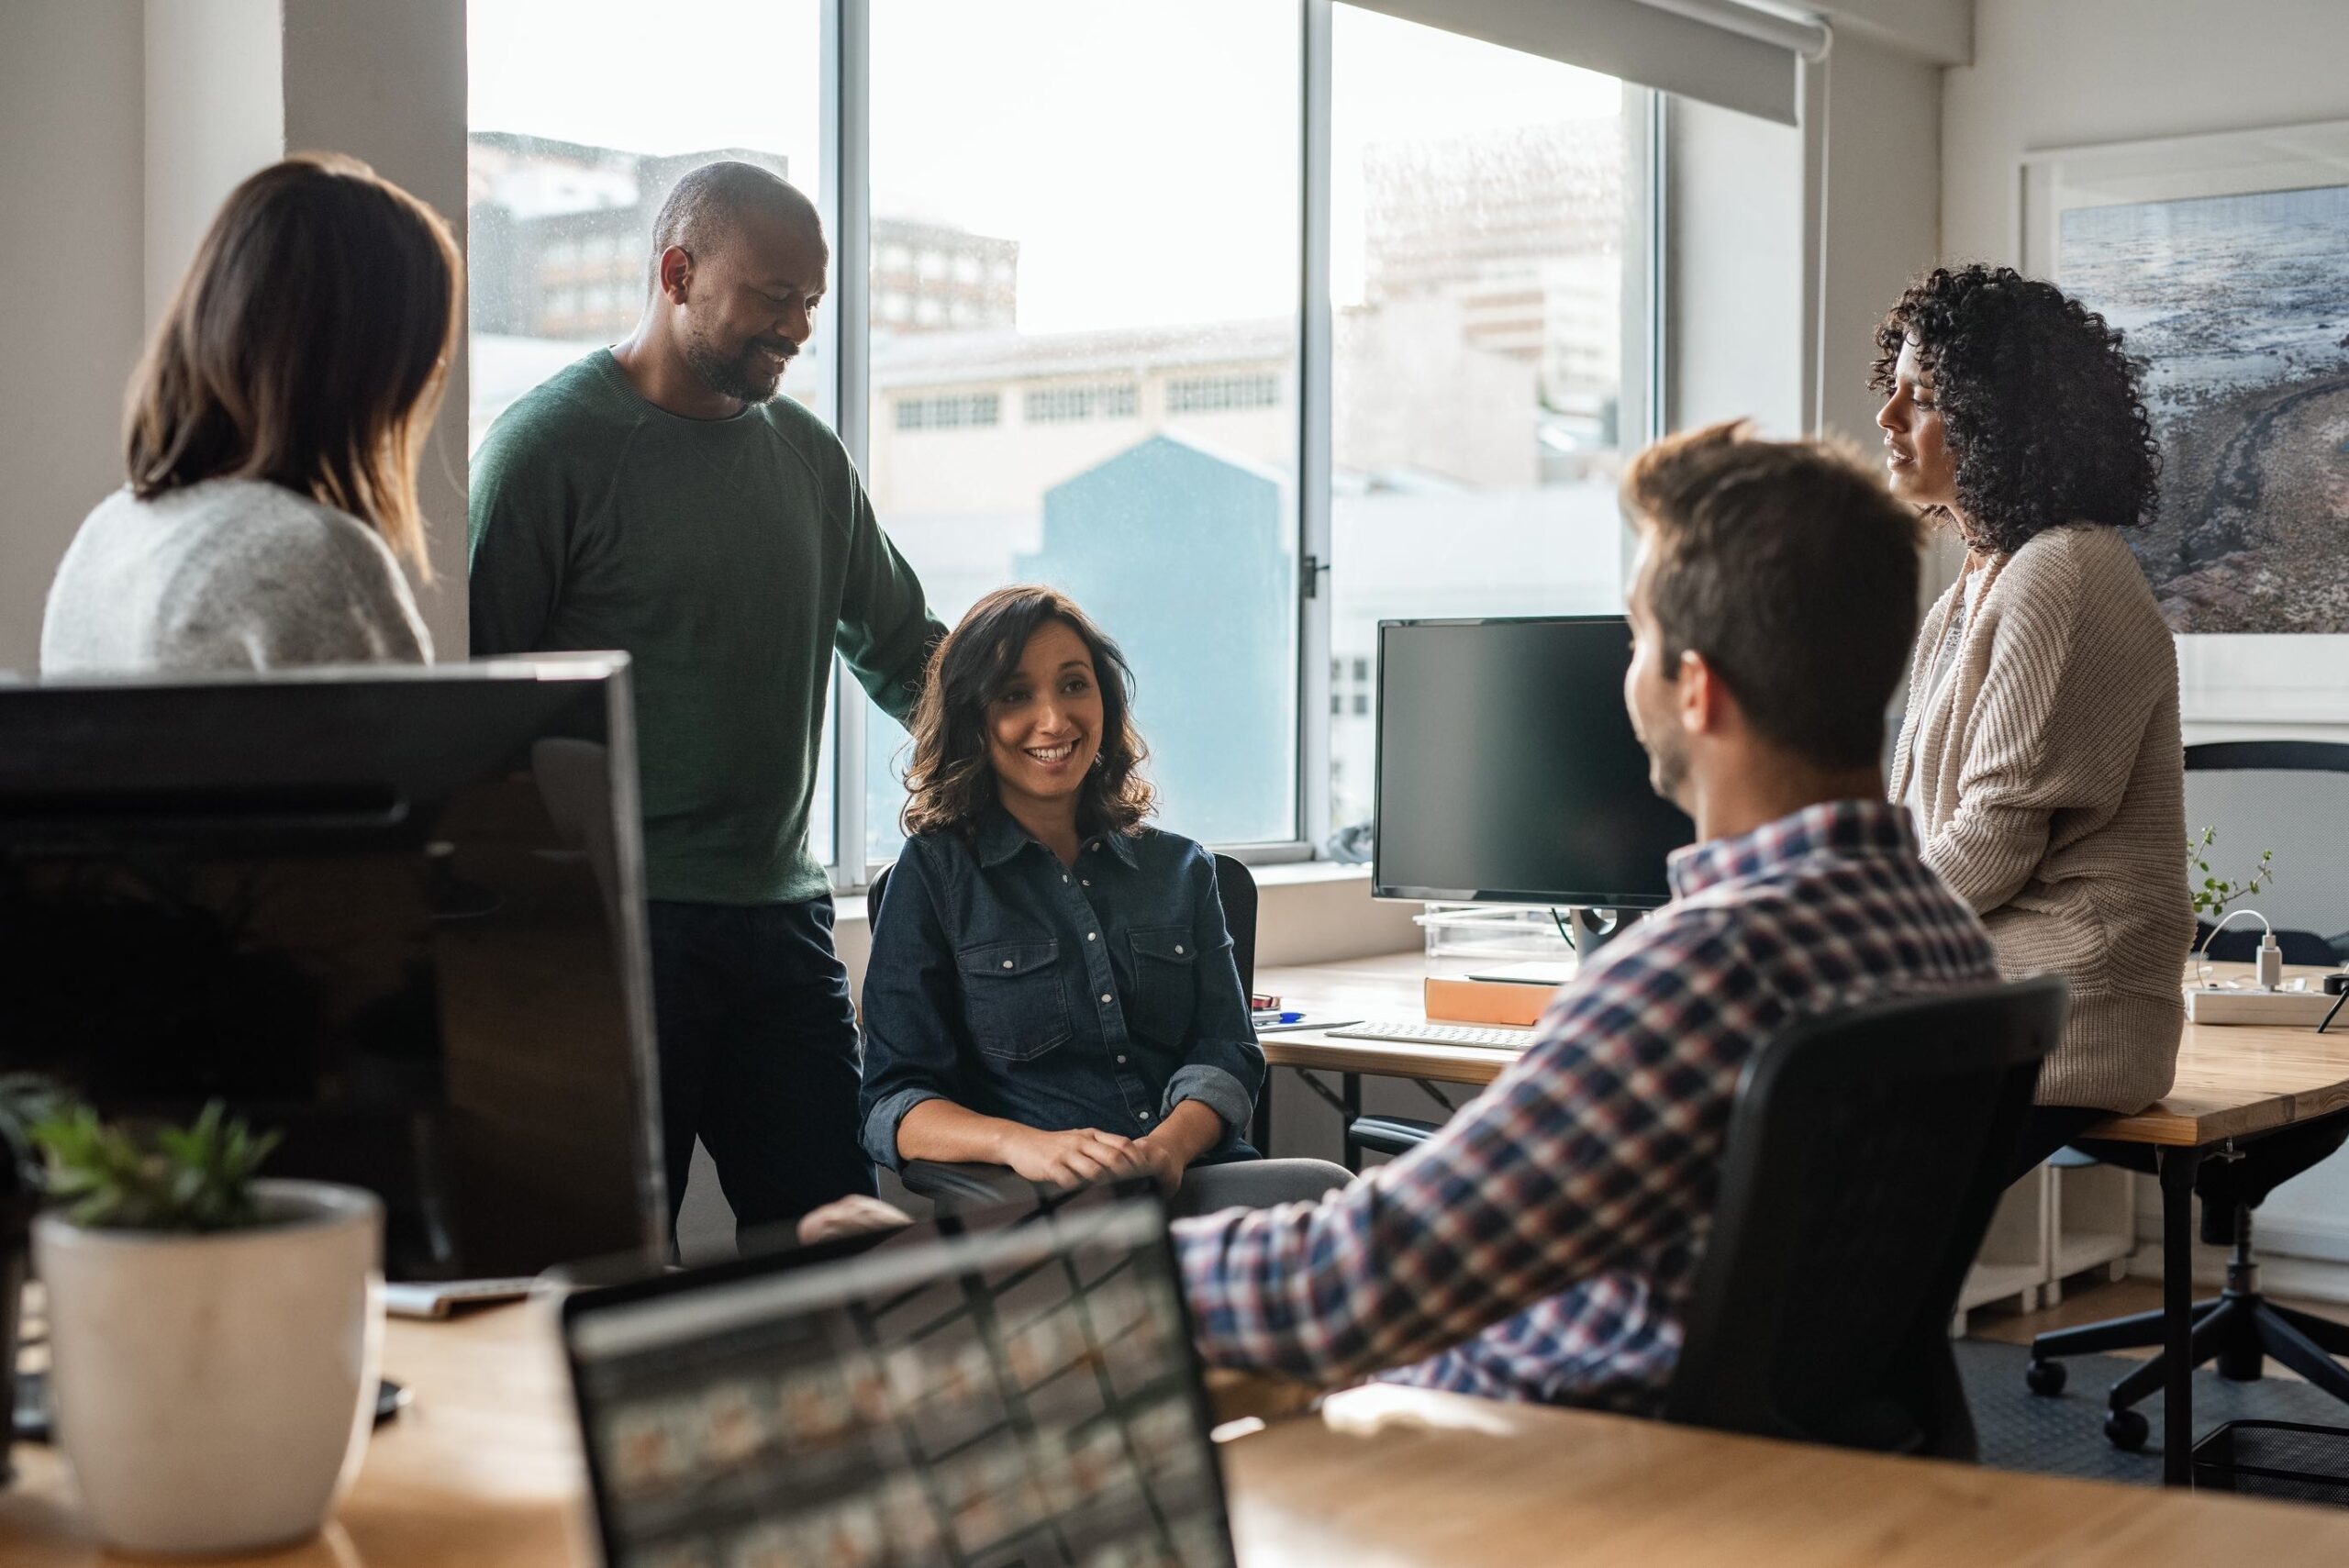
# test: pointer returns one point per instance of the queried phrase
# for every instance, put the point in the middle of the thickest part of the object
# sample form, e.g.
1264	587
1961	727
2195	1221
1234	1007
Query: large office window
1084	240
583	116
1086	259
1484	212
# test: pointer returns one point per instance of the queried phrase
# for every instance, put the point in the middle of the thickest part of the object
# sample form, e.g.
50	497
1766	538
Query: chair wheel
2044	1377
2126	1430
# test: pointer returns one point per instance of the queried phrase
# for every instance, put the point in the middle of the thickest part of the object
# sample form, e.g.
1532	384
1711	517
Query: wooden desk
2234	1082
483	1471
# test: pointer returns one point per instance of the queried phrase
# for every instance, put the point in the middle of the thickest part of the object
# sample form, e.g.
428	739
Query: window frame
846	201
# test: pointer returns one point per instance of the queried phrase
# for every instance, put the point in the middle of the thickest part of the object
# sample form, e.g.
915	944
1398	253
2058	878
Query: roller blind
1737	56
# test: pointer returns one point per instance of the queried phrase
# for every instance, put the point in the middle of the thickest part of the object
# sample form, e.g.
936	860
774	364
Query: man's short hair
708	204
1792	570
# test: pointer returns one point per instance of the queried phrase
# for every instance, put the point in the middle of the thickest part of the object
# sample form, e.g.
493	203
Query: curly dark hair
951	781
2040	401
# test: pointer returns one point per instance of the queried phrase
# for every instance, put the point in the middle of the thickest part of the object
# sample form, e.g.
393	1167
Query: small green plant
2213	893
195	1178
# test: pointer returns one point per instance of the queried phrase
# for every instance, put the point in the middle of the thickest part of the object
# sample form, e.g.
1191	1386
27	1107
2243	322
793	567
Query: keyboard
1419	1031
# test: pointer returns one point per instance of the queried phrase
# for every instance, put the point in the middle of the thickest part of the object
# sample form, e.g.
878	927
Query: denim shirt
1100	995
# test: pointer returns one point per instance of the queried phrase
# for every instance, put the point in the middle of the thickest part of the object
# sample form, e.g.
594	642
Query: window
951	413
1222	393
580	121
1110	393
1061	404
1155	534
1481	227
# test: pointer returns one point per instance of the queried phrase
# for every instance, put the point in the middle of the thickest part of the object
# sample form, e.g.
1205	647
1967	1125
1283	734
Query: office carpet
2065	1435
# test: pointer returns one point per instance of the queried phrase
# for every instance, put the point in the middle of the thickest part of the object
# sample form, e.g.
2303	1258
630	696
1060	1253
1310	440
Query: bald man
659	497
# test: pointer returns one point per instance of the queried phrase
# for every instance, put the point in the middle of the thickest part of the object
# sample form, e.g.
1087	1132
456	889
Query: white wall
1882	218
386	84
2051	74
70	146
215	113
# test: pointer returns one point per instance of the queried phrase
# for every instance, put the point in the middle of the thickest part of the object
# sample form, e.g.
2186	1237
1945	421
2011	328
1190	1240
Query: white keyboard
1419	1031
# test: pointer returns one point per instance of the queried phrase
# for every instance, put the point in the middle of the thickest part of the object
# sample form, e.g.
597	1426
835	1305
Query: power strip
2214	1005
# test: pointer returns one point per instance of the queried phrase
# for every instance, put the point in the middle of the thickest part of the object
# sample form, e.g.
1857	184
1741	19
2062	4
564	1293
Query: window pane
582	118
1480	220
1084	357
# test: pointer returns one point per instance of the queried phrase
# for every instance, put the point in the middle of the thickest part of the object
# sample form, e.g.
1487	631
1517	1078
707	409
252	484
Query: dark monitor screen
1016	1397
395	917
1508	770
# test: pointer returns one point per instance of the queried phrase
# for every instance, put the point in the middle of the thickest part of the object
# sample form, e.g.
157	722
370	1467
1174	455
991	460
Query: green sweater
729	558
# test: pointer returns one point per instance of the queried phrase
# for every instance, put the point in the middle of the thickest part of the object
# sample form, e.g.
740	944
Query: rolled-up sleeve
913	1032
1223	1067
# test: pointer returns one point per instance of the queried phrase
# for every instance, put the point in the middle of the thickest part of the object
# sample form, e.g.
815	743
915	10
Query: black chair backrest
1234	884
1237	887
1865	1155
2239	943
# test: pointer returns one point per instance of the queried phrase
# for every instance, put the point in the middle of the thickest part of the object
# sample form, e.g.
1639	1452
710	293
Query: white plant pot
213	1393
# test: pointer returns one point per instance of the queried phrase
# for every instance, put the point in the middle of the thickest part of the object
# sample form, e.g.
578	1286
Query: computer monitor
395	916
1019	1394
1507	772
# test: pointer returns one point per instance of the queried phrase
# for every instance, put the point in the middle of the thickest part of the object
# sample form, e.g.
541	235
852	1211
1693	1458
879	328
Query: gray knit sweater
2051	797
229	574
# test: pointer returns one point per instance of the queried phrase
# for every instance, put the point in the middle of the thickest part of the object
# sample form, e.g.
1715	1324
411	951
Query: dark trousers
2047	1128
758	1055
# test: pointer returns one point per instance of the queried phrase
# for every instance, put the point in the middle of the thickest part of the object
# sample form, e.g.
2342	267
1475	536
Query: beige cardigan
2052	798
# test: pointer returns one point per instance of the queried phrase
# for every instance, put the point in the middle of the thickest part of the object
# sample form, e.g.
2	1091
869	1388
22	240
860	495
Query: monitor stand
1594	928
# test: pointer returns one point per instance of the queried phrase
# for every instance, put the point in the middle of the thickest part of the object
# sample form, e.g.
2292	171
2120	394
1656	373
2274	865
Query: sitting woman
2040	753
276	429
1051	986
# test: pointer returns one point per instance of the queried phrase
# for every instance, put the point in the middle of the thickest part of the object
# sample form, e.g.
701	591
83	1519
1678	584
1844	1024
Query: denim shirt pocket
1165	988
1014	999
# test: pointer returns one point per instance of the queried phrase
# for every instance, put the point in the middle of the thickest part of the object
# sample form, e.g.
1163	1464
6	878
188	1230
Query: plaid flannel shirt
1543	1246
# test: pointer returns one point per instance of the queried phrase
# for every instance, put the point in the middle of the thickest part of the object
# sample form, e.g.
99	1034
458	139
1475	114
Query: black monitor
1507	772
397	916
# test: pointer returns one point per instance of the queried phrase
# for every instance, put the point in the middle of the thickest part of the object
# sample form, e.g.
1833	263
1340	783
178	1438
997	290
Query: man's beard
744	377
1667	770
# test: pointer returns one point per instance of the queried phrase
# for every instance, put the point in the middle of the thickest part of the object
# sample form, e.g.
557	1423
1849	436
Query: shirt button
1178	950
1007	963
1145	1116
1122	1062
1105	995
1090	935
1088	882
1064	876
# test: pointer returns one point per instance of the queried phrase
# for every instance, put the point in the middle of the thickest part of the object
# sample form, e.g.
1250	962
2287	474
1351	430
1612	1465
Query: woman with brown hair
1052	986
273	432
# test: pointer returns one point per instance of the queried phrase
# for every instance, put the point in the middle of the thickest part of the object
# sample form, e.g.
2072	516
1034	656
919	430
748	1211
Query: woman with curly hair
2041	752
1051	986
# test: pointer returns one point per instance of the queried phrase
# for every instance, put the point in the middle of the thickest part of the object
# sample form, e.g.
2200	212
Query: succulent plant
112	1177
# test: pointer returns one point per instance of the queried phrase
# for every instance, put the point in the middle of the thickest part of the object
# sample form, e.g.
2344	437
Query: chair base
2239	1329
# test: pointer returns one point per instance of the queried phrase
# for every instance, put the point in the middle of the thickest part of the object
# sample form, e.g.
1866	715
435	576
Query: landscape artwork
2239	306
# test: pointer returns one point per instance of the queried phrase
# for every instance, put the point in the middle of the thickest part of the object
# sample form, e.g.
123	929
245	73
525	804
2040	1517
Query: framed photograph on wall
2225	259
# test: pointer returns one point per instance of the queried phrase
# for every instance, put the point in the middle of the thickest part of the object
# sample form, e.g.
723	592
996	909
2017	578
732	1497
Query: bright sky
1144	155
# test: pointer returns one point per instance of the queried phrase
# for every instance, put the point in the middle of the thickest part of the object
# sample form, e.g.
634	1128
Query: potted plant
214	1338
26	1101
2213	894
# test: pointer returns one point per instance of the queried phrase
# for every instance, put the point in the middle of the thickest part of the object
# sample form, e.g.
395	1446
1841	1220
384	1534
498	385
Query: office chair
1865	1153
2238	1328
963	1182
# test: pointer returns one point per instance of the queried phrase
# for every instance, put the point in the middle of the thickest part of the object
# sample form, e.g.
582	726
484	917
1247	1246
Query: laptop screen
1023	1396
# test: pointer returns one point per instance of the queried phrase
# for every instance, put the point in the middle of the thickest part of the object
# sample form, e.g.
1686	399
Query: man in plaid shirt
1544	1244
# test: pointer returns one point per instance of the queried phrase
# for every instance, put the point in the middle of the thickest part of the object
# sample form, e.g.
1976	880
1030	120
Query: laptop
999	1388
